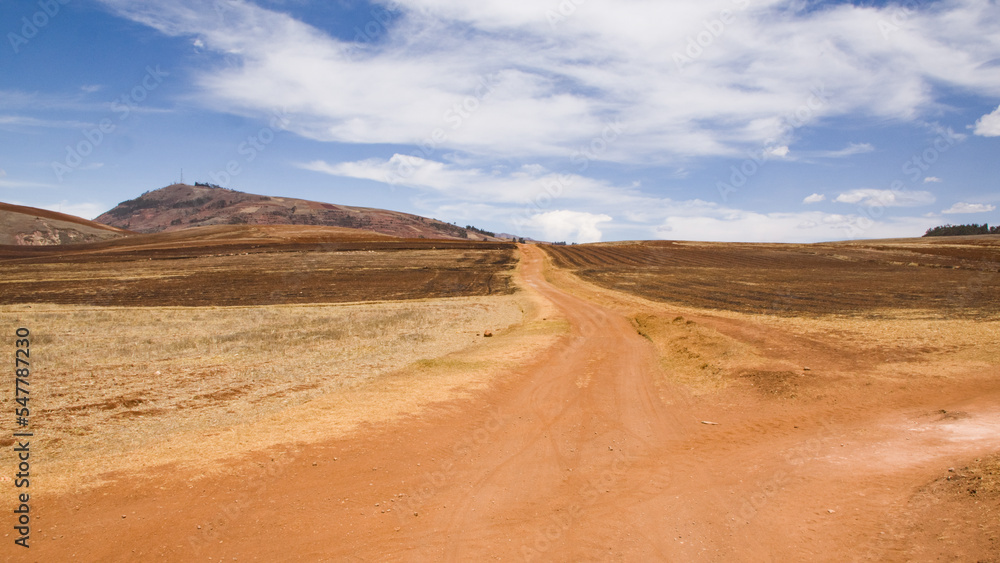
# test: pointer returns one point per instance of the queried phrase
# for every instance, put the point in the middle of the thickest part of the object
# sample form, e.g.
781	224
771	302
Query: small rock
487	333
831	511
710	422
806	369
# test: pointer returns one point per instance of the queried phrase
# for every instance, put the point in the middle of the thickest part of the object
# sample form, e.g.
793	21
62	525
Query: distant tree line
480	231
959	230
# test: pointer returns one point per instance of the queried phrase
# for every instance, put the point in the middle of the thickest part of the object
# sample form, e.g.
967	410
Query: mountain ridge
179	206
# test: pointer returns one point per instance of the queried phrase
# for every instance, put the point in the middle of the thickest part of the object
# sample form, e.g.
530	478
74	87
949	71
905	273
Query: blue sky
578	120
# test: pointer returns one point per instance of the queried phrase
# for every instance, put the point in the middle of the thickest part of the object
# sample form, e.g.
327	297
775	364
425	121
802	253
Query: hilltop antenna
182	175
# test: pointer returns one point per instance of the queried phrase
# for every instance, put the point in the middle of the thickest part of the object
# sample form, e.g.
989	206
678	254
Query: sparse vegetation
215	368
127	208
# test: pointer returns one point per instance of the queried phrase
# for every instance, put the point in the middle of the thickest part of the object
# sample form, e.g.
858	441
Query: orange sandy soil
594	451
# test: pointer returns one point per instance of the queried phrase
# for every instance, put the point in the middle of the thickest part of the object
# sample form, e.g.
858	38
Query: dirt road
587	454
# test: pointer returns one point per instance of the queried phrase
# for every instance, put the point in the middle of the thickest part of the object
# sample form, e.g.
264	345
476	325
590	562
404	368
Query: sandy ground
592	448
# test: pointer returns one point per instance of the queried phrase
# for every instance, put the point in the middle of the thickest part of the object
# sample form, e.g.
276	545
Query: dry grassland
118	389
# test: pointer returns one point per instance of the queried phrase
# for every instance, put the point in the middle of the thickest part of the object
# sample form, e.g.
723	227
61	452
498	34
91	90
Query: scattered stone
710	422
487	333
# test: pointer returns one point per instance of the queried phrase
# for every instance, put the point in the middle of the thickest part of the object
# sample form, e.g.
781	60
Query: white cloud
564	225
931	179
969	208
24	184
886	198
25	121
849	150
814	198
84	210
91	88
527	184
989	124
749	226
551	88
780	152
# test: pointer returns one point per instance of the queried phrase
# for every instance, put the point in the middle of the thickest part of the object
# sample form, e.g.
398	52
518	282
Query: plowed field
220	266
957	276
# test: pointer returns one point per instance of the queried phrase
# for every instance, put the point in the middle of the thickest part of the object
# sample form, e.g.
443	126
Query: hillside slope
30	226
180	206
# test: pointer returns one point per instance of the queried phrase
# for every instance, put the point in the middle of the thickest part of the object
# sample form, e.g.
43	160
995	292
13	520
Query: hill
30	226
180	206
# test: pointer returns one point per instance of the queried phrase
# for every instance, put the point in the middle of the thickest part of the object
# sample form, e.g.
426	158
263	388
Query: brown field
950	277
218	266
637	402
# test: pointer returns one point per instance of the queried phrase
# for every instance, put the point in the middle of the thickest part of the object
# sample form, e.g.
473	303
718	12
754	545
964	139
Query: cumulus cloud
498	77
962	207
749	226
989	124
814	198
886	198
932	179
565	225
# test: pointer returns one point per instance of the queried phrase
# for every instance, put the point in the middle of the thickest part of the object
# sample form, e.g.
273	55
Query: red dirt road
585	455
